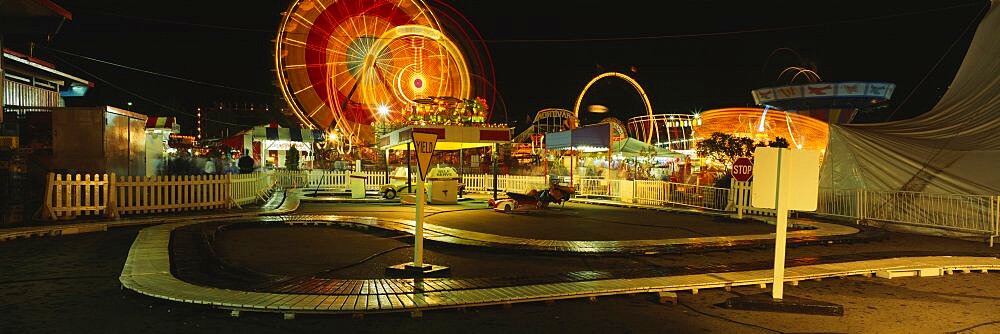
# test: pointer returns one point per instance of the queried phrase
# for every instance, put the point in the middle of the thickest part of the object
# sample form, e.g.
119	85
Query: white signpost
784	180
424	143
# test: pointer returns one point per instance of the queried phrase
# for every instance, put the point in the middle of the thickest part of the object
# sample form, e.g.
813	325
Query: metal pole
387	166
2	76
779	239
496	155
461	162
418	236
739	197
607	170
571	158
409	169
545	164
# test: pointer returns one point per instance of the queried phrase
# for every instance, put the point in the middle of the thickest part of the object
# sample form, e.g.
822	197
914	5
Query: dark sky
544	52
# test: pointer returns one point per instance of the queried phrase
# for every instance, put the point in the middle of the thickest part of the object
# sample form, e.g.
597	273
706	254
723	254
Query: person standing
246	163
210	166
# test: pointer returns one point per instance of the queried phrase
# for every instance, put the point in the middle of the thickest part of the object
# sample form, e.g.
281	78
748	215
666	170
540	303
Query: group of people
245	164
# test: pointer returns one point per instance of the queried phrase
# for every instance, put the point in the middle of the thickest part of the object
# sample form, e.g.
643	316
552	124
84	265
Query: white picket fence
335	180
70	196
741	200
505	183
250	188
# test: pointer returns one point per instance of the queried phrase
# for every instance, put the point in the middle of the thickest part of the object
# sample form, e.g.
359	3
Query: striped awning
289	134
163	123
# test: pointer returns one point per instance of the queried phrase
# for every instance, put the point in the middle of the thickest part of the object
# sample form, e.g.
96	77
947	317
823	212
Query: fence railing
965	213
249	188
663	193
70	196
170	193
976	214
599	187
740	197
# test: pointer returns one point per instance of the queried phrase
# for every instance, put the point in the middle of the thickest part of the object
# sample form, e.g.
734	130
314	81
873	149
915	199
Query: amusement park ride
351	66
371	72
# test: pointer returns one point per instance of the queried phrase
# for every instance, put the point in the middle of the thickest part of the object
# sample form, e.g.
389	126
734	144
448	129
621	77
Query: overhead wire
968	27
144	98
106	62
597	39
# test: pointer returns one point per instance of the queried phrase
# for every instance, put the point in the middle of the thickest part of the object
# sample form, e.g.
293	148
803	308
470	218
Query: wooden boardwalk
50	230
147	271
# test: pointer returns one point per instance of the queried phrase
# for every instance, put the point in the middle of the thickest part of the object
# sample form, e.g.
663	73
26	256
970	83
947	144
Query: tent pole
409	177
496	156
571	158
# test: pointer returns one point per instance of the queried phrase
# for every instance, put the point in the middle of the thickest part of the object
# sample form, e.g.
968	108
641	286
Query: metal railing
599	187
663	193
965	213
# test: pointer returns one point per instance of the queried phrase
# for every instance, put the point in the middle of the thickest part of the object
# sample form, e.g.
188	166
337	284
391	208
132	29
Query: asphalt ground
571	221
69	284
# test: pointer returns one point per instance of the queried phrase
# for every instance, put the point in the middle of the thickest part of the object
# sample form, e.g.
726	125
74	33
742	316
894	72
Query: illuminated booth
450	138
270	145
158	131
601	150
591	138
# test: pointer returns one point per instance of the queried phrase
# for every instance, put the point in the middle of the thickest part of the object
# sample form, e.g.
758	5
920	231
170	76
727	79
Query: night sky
695	55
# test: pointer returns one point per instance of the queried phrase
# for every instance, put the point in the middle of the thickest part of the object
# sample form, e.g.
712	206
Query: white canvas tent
954	148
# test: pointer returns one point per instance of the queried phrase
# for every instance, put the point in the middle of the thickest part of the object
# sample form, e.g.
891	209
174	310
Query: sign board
424	143
742	169
796	172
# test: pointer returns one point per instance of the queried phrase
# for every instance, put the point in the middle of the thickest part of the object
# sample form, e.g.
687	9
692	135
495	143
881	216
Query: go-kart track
525	254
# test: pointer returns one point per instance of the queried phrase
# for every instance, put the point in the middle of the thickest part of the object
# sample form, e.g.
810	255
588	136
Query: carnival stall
158	131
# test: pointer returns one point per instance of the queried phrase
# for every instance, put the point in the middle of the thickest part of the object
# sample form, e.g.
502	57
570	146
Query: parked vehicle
397	182
533	200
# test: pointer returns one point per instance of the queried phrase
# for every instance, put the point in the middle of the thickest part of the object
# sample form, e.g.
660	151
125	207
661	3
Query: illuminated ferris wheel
343	64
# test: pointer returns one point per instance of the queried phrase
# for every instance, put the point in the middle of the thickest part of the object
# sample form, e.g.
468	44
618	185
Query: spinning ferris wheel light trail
339	61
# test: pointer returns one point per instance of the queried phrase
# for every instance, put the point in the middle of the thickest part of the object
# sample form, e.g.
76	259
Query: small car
533	200
397	182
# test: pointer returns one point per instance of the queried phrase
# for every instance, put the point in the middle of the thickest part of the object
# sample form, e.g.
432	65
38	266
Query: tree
725	147
778	142
292	158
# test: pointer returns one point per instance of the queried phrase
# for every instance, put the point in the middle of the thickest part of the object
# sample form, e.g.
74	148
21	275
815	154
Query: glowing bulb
383	110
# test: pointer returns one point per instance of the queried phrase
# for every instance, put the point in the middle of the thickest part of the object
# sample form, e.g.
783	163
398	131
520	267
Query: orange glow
797	129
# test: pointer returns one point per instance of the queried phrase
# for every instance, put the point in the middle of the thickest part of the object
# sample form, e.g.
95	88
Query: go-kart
533	200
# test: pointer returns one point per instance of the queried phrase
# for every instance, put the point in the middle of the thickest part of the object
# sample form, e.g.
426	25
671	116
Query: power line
142	97
591	39
157	73
725	33
186	23
968	27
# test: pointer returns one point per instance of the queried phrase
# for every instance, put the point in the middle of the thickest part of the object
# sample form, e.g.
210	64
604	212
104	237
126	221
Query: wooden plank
350	304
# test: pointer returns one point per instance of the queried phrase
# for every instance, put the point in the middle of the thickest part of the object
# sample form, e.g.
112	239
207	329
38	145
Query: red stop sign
742	169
